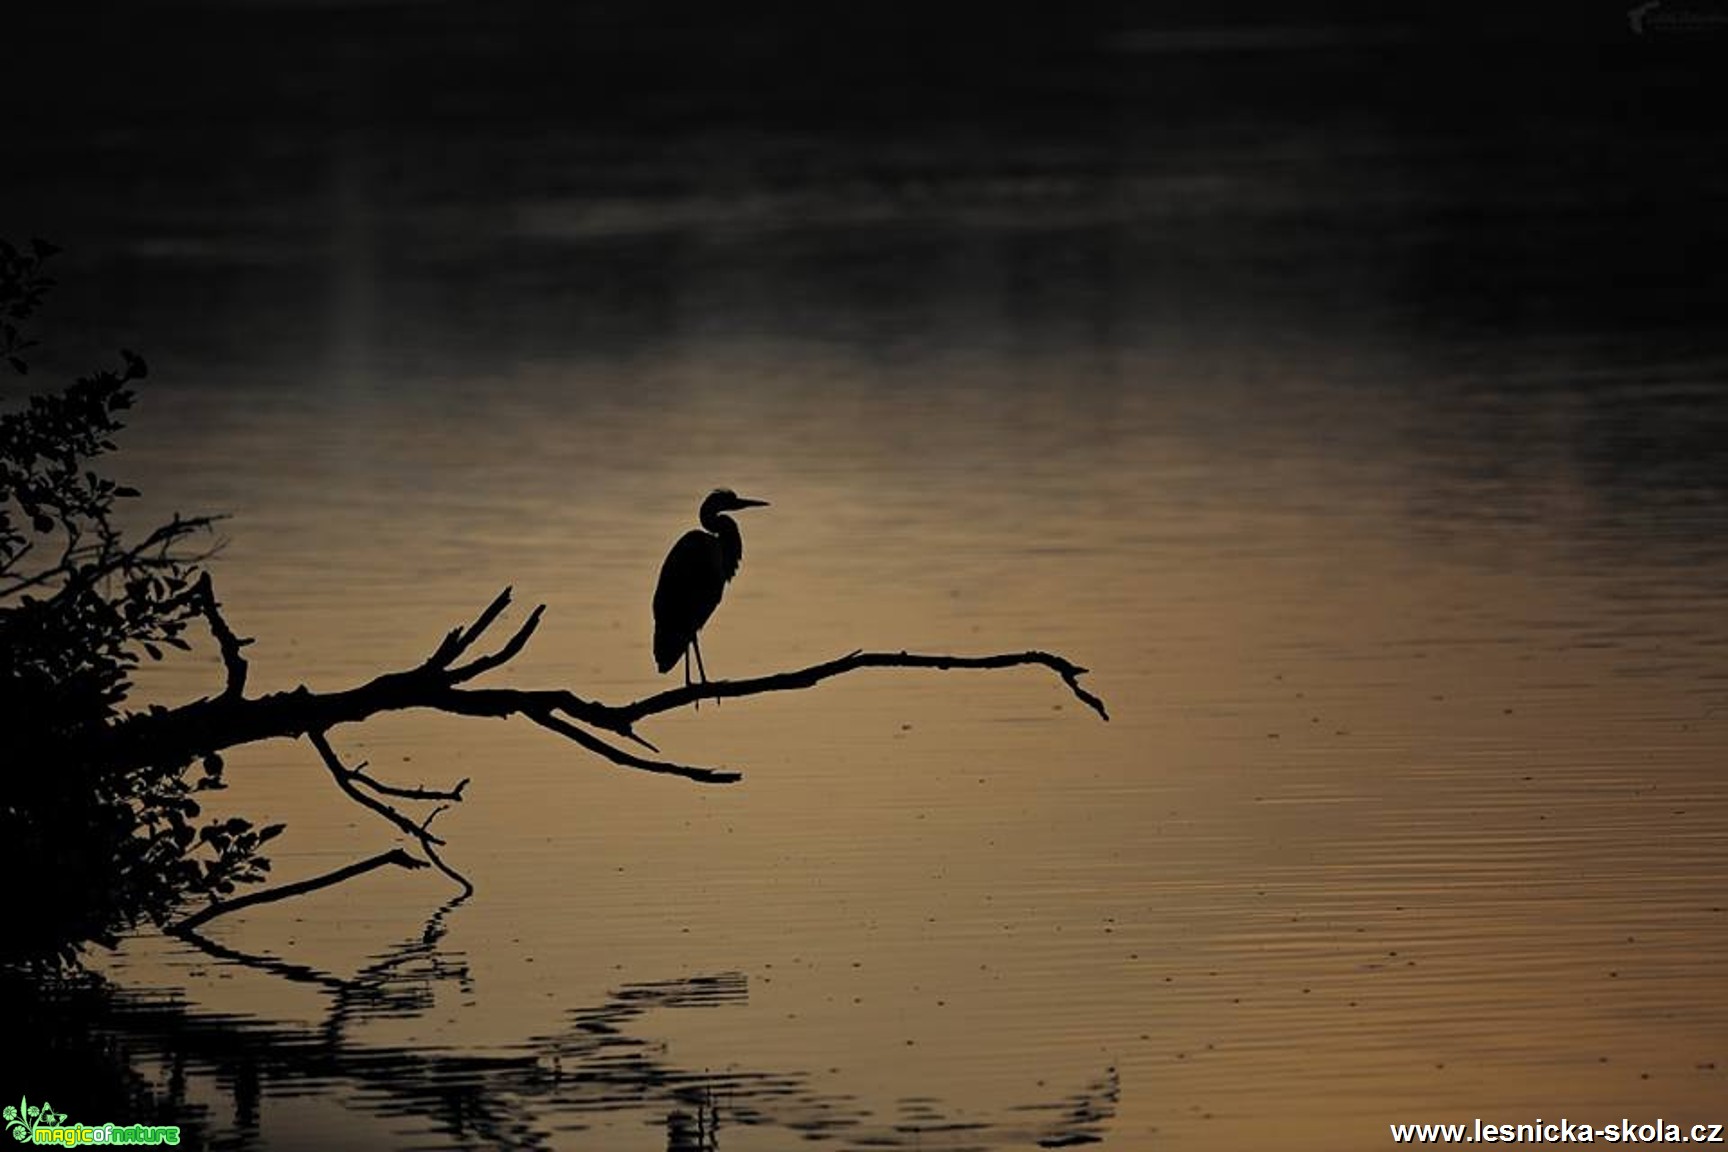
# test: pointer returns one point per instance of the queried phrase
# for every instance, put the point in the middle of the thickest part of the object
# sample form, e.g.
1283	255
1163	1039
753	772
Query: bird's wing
691	581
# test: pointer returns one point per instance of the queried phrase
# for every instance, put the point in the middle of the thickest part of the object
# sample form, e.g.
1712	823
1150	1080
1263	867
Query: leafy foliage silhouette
94	850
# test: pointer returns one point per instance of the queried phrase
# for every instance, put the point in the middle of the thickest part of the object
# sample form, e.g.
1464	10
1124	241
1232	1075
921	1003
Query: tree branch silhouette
231	719
346	780
396	856
211	724
204	594
809	677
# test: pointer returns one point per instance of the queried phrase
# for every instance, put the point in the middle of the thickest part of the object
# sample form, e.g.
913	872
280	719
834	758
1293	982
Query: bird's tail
668	647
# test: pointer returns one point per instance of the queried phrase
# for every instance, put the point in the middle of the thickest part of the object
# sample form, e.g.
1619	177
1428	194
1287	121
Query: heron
693	577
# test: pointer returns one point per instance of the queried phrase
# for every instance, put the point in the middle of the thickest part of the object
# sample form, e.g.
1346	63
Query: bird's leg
698	701
703	672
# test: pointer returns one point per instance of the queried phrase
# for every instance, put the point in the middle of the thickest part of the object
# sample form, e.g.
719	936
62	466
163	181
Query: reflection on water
594	1077
1372	456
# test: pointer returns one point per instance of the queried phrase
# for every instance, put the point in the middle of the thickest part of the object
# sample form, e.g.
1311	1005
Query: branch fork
438	683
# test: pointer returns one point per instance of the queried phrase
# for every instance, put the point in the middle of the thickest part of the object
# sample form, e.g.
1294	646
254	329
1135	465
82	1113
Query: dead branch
226	641
1070	672
421	832
547	719
232	719
416	793
396	856
174	736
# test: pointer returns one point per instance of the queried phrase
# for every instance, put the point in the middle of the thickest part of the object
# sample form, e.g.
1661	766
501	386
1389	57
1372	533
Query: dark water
1351	399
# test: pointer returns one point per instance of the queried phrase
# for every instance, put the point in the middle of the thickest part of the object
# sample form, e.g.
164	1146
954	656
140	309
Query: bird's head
726	500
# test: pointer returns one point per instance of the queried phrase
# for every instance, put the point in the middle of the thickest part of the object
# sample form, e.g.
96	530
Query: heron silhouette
693	578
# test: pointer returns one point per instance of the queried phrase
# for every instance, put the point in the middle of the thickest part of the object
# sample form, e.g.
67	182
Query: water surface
1392	535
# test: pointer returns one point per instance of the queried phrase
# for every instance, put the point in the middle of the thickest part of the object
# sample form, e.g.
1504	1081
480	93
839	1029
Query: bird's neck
725	530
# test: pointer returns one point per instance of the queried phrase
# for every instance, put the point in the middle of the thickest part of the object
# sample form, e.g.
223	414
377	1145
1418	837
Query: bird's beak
743	503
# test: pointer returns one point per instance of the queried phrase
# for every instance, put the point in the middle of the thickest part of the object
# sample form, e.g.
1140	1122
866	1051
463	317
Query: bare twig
505	654
421	832
396	856
851	662
229	643
417	793
343	777
619	756
438	863
461	639
108	557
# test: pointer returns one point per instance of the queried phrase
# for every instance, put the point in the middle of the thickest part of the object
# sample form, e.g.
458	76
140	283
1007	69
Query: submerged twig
396	856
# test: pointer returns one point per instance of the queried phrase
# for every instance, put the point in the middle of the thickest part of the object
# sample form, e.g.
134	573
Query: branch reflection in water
595	1071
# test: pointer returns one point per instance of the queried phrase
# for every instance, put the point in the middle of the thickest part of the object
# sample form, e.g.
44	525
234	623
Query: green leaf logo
23	1120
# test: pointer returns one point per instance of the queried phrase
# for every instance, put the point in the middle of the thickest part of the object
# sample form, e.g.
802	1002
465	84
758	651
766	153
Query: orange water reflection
1411	806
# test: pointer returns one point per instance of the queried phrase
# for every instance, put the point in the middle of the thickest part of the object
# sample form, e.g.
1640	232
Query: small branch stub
227	642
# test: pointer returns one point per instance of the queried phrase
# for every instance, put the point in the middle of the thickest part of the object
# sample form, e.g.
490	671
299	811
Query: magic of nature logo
39	1124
